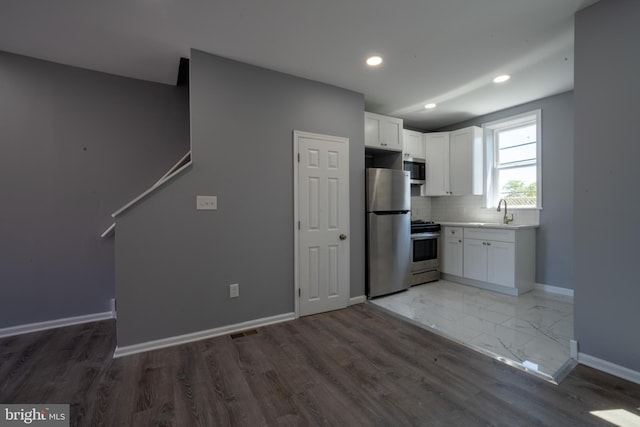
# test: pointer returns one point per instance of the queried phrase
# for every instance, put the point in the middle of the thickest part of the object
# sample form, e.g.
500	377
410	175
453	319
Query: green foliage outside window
517	193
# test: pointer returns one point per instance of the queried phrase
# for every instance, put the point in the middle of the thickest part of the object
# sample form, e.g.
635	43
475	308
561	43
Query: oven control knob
343	237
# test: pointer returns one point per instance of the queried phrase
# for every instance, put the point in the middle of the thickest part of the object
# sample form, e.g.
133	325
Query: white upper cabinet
437	164
454	162
465	160
382	132
414	146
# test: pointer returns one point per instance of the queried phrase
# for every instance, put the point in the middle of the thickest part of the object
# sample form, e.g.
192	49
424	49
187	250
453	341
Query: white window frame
491	173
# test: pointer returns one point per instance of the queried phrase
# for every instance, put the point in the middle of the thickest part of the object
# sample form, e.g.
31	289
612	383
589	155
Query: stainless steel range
425	263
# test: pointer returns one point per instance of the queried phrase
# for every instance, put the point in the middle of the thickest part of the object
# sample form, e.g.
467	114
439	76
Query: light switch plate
205	203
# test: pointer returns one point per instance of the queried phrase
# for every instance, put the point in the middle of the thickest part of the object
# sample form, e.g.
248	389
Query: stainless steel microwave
416	169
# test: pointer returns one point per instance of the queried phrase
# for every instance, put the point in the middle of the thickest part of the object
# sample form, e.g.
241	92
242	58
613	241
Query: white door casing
321	188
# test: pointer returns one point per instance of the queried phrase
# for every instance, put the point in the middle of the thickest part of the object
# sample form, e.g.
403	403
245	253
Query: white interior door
323	222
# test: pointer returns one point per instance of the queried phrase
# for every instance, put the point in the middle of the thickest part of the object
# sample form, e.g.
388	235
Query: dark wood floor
353	367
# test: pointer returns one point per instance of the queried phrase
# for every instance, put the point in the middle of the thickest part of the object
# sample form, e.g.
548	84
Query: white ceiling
443	51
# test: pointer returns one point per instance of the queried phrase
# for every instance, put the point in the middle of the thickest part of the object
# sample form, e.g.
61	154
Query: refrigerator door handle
390	212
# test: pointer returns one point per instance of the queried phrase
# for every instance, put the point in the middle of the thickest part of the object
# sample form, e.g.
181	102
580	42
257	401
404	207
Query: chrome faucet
505	219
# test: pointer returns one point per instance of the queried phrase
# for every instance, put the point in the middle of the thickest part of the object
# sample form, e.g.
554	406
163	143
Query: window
513	147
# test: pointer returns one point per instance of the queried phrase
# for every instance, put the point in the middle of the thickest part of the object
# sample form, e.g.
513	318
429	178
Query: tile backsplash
421	208
465	209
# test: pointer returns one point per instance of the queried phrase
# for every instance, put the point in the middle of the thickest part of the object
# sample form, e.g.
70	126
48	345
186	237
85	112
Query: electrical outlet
205	203
234	290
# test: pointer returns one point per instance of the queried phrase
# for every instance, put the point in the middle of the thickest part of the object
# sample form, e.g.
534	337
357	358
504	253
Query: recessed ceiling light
430	106
374	60
501	79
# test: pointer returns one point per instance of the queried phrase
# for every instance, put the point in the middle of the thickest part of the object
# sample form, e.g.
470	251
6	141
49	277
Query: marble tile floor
531	331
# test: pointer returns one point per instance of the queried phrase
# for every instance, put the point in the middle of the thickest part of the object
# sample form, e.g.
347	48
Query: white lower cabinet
453	250
501	263
497	259
475	259
490	261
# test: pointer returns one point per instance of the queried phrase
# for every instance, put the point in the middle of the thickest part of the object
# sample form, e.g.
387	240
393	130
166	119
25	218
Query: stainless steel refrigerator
388	231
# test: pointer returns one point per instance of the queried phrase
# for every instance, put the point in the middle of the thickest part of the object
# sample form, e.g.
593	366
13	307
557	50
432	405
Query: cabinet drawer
452	232
493	234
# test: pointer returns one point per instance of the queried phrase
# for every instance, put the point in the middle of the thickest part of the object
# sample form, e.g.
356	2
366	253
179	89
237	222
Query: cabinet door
437	164
452	255
391	133
382	132
501	263
466	161
413	145
475	259
372	136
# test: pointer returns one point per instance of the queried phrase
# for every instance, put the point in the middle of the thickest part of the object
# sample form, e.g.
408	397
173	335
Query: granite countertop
497	225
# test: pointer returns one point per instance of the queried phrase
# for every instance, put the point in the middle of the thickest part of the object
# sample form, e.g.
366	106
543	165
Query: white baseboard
553	289
196	336
357	300
573	349
51	324
483	285
608	367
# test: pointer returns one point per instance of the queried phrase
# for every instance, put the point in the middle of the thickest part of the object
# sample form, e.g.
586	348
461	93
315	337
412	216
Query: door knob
343	237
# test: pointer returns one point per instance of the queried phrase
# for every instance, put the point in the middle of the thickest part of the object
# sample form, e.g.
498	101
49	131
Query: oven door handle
424	236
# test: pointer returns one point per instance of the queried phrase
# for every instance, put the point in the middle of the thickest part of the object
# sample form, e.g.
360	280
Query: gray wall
174	264
75	145
607	152
554	242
